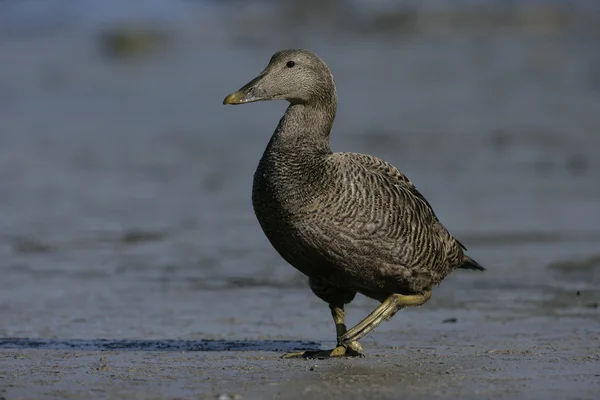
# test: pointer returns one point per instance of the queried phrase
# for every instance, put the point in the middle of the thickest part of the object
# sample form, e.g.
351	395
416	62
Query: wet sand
150	339
481	355
133	266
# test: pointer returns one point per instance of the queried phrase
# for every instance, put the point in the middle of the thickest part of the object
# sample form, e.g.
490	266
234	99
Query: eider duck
352	223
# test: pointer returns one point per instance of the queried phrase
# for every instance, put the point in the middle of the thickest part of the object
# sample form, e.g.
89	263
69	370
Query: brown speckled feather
349	221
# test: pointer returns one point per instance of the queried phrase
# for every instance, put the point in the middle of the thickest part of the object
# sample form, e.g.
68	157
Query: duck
351	222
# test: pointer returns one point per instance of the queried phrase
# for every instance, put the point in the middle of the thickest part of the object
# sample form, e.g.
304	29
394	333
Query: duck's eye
290	64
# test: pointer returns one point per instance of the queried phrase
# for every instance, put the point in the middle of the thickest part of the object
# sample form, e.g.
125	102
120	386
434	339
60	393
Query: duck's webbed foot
336	298
349	349
352	349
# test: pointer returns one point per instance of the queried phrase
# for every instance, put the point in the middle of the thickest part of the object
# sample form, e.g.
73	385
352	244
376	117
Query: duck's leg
351	349
383	312
336	298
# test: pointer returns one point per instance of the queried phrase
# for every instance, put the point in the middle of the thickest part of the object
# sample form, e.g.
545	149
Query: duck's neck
305	128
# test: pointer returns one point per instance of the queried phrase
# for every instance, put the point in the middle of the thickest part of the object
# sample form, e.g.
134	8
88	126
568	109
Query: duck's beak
247	94
234	98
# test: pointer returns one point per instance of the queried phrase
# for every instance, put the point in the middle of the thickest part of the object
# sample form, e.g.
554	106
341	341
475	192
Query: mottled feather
351	222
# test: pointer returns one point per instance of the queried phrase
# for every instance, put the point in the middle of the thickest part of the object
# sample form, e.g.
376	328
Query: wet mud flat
564	366
442	350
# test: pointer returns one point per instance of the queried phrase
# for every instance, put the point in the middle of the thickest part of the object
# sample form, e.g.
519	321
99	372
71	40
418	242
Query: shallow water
125	184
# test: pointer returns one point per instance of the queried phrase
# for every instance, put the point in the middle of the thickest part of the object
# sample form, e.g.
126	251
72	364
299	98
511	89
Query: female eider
351	222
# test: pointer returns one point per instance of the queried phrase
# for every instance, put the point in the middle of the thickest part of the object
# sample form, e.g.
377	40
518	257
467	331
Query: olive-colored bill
247	94
234	98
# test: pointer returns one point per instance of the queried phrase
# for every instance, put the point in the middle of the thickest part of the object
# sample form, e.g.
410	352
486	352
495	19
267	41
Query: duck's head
298	76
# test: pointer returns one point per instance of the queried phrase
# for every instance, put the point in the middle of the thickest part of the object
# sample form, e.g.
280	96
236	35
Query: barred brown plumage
352	223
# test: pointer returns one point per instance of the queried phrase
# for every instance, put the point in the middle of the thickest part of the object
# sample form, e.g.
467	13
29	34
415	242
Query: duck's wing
398	179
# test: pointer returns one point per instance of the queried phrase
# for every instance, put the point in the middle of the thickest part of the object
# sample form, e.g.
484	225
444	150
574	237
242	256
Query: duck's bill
239	97
247	94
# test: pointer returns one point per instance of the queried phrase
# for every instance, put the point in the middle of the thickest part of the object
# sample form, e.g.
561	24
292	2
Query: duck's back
353	220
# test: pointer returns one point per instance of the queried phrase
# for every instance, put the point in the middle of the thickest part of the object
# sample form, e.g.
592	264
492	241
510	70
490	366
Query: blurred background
125	183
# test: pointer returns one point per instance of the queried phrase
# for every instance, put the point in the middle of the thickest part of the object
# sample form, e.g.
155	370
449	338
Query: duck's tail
469	263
